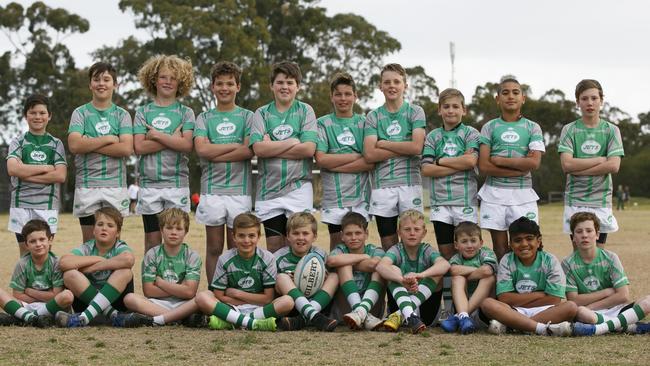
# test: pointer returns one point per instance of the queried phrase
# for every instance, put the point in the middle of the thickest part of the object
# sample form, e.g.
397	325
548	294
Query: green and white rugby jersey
278	176
36	150
458	189
484	256
286	261
512	140
27	276
186	265
426	257
362	279
252	275
166	168
583	142
398	127
99	278
605	271
545	274
94	170
226	178
342	136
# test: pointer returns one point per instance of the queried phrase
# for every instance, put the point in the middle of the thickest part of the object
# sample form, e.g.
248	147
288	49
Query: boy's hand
177	131
410	282
158	280
232	292
498	160
266	137
152	133
381	143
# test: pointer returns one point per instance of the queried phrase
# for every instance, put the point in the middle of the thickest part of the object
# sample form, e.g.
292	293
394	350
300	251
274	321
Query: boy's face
511	97
392	85
343	98
166	83
300	240
585	235
225	89
102	86
105	230
246	240
451	110
354	237
525	246
284	89
38	243
468	245
173	233
411	232
590	103
37	118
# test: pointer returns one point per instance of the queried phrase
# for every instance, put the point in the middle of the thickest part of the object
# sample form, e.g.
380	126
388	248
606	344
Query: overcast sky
546	44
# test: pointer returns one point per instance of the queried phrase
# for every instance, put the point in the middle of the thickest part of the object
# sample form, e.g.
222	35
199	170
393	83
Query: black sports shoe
42	321
131	320
196	320
323	323
415	323
288	323
7	320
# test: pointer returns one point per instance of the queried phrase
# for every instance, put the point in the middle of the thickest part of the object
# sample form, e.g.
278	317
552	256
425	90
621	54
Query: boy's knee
571	308
123	275
644	303
66	297
204	300
284	304
71	276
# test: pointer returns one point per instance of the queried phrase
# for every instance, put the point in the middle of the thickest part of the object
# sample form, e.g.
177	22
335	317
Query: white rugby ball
309	274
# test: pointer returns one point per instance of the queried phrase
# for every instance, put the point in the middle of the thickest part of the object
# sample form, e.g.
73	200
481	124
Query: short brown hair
395	68
246	220
451	93
588	84
34	100
173	216
99	68
342	78
290	69
36	225
467	228
148	73
579	217
112	213
225	68
300	219
354	218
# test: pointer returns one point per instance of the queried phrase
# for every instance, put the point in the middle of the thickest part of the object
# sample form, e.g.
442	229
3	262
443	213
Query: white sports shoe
355	319
372	322
563	329
496	327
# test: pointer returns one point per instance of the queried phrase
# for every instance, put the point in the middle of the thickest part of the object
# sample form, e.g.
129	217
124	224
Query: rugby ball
309	274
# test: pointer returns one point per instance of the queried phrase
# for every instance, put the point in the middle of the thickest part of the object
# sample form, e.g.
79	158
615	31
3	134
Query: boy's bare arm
122	149
41	296
180	141
481	272
345	259
71	261
150	289
124	260
487	167
333	161
526	164
621	296
359	165
464	162
222	297
16	168
610	166
184	290
571	164
80	144
207	150
19	295
388	271
374	154
367	265
531	299
461	270
436	171
58	175
243	152
406	148
271	149
249	298
302	150
439	268
142	146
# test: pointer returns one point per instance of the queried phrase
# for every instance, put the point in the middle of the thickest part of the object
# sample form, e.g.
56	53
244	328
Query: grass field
177	345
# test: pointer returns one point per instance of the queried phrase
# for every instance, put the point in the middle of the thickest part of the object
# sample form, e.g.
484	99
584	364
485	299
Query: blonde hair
173	216
451	93
413	215
300	219
182	69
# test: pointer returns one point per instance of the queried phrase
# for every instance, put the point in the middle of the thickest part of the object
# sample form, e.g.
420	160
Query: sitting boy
355	263
37	282
241	293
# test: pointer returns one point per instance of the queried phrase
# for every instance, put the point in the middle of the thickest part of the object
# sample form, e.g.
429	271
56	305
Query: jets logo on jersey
525	286
170	276
226	127
468	210
161	122
450	148
103	127
394	128
591	282
52	220
38	155
40	285
246	282
346	138
590	147
510	136
282	132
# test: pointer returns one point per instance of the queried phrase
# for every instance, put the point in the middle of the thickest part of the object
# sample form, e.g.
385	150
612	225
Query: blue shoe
467	325
642	328
450	325
74	321
583	330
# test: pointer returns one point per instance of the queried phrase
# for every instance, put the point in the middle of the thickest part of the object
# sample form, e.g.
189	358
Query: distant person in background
620	198
626	194
134	188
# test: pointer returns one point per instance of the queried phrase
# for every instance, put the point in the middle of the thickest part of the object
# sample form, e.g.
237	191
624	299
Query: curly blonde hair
148	73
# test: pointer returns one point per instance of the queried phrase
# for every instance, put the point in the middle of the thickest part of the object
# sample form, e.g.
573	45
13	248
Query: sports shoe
450	325
42	321
131	320
372	322
7	319
289	323
67	320
323	323
582	329
355	318
496	327
642	328
196	320
466	325
265	325
219	324
393	322
415	323
560	329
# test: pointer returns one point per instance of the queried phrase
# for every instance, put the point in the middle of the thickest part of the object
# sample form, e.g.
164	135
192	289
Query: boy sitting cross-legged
597	282
355	263
241	293
37	282
413	270
170	274
301	233
472	270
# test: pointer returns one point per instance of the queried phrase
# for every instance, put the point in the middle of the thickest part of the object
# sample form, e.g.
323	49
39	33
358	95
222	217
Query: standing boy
101	137
284	134
221	141
511	147
37	167
339	153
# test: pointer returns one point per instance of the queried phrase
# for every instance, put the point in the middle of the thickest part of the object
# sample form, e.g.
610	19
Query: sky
546	44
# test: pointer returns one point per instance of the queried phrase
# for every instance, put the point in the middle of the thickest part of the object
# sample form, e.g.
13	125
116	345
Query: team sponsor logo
282	132
170	276
103	127
246	282
394	128
525	286
39	285
591	282
468	210
226	128
417	201
436	209
346	138
590	147
510	136
161	122
610	218
125	202
38	155
450	148
52	220
184	200
531	215
485	217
